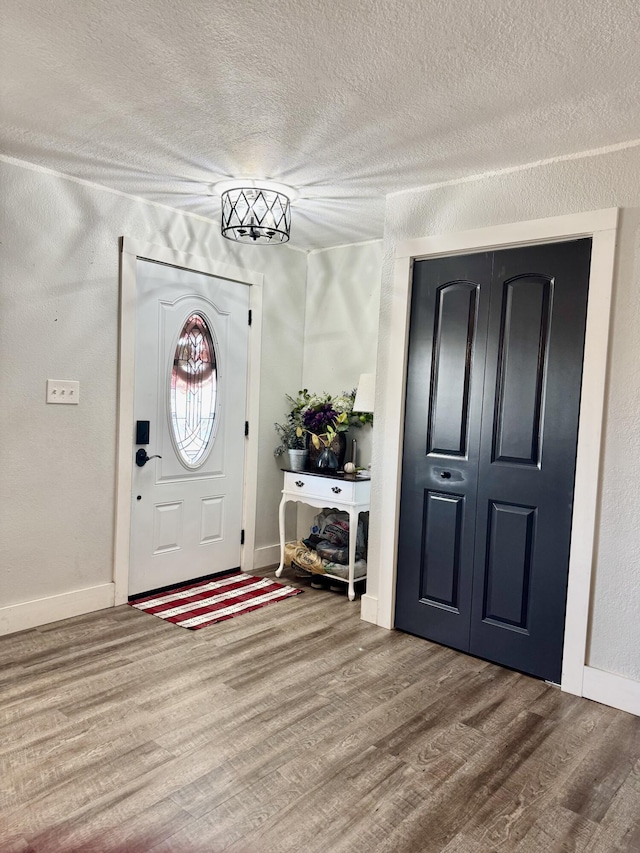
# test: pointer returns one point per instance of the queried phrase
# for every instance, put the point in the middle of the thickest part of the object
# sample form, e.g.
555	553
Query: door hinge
246	428
242	537
250	316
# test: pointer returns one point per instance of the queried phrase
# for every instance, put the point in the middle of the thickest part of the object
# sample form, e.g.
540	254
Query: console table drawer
327	488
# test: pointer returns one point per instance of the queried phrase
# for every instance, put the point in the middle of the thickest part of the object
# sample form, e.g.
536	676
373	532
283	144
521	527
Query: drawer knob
299	483
336	490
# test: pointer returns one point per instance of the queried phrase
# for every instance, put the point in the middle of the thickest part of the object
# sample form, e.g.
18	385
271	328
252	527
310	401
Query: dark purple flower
318	419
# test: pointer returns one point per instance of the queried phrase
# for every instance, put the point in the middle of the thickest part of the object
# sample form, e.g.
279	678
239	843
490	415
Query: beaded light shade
255	213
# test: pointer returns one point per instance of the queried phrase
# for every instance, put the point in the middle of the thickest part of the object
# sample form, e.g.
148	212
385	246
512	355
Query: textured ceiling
346	101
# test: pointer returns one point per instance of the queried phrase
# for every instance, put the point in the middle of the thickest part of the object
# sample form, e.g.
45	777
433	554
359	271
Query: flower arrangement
322	424
321	416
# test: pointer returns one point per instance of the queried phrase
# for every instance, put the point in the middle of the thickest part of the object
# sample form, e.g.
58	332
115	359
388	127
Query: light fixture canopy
257	212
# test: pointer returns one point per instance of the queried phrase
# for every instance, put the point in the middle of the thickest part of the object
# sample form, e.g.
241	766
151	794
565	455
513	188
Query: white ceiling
347	101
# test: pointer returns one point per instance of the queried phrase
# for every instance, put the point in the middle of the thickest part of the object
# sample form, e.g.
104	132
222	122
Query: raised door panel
168	533
453	339
211	519
522	354
441	545
508	565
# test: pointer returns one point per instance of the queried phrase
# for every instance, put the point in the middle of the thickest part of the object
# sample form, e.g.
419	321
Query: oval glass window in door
194	386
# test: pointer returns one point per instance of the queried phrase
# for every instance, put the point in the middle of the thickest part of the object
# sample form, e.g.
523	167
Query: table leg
281	513
353	538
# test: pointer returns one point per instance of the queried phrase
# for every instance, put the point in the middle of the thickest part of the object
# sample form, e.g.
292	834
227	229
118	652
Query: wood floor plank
558	830
31	726
365	773
463	844
596	782
79	786
512	694
451	805
297	728
538	782
619	830
99	832
15	844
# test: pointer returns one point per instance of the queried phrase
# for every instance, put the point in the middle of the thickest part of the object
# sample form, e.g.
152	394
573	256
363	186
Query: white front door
190	385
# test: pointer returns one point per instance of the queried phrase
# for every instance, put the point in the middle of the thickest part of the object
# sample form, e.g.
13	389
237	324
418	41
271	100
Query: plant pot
298	459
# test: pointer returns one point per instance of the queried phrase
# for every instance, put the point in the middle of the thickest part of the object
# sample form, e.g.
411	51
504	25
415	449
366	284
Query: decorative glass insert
194	387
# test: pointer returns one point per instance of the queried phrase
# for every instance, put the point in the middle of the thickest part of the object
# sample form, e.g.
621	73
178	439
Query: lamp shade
365	395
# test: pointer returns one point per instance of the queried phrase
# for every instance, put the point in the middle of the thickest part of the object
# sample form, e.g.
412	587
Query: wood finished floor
297	728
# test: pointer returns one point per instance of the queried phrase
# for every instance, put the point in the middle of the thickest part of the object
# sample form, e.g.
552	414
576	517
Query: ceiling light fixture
256	212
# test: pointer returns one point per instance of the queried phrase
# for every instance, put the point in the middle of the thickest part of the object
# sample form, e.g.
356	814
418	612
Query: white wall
570	186
340	336
341	323
59	319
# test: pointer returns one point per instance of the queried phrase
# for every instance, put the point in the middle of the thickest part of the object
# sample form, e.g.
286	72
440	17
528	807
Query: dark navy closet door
489	454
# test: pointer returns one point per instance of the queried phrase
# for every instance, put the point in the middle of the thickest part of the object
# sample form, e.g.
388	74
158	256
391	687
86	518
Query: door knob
446	475
142	458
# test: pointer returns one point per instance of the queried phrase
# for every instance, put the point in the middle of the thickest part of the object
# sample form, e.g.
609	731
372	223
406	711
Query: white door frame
130	252
601	226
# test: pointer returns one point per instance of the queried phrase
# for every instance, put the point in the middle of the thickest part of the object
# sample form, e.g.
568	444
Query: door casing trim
601	226
130	252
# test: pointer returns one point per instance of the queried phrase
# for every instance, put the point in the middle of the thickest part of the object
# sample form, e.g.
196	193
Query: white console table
344	492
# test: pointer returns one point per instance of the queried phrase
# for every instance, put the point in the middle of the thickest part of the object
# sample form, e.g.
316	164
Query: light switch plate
65	391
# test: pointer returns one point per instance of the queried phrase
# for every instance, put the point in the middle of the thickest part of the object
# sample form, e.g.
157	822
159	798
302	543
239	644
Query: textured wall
341	331
611	180
341	323
59	319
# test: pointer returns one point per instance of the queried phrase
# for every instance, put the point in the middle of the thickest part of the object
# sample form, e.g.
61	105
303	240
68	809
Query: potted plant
291	443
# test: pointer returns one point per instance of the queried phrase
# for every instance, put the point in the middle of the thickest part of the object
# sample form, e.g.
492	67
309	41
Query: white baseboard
369	608
611	689
269	555
41	611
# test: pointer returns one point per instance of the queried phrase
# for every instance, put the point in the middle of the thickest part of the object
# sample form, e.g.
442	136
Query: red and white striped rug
207	602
